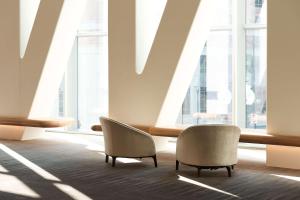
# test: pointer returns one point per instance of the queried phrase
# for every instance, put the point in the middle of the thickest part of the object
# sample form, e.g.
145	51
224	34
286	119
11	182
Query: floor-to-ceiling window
236	46
216	94
209	98
83	94
256	43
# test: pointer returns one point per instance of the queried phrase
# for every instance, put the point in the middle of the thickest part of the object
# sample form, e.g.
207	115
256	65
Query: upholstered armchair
208	147
122	140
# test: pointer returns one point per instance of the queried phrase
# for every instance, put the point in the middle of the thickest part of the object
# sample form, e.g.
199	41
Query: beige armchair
122	140
208	147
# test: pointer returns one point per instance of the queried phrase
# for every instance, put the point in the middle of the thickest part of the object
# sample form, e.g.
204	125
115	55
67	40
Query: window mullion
239	65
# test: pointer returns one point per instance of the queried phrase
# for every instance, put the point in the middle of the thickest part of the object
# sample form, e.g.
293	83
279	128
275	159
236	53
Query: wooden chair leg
177	165
232	167
199	171
106	158
229	171
155	160
114	160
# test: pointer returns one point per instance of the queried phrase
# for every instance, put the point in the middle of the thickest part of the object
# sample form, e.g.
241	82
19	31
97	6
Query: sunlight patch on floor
124	160
91	142
294	178
255	155
13	185
187	180
38	170
3	169
93	147
72	192
128	160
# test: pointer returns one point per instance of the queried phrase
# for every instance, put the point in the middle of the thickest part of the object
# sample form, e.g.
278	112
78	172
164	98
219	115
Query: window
211	87
256	52
211	94
83	94
92	80
186	106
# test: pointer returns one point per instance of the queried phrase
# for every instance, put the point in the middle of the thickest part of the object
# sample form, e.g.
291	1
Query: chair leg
229	171
155	161
199	171
232	167
106	158
114	161
177	165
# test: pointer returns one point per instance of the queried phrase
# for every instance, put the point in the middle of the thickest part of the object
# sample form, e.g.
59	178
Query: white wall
9	58
284	67
283	111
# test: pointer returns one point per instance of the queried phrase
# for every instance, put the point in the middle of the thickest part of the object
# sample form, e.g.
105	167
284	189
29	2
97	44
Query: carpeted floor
73	168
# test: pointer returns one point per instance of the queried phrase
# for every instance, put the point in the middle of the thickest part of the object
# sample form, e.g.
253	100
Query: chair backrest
112	131
208	145
123	140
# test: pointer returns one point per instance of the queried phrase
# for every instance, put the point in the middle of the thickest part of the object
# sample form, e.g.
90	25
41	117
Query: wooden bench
38	123
246	137
20	128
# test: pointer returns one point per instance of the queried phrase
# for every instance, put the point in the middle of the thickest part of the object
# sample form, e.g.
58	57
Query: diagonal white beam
171	61
47	54
187	62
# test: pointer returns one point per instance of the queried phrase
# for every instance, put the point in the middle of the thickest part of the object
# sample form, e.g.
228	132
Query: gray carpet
86	172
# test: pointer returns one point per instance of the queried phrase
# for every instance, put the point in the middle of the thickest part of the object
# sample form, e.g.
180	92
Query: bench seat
246	136
39	123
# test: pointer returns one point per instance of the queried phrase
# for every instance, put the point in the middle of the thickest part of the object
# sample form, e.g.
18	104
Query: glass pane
92	80
256	78
95	16
256	11
83	94
224	16
65	104
58	109
209	98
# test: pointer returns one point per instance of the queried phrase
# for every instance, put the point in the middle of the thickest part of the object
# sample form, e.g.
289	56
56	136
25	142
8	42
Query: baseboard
19	132
283	156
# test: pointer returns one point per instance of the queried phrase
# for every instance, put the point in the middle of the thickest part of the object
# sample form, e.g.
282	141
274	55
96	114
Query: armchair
208	147
122	140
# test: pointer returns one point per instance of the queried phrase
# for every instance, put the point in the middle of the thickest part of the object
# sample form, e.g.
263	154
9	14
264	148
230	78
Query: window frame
238	28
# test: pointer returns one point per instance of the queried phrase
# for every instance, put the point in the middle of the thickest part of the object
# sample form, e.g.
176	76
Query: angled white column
34	60
44	62
187	62
29	84
147	98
